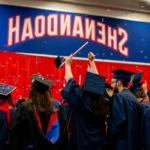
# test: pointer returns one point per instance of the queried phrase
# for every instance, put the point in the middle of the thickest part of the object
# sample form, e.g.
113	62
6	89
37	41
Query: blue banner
39	31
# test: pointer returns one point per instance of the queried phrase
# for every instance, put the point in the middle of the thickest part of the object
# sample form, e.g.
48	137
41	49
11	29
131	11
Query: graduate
88	109
146	125
124	131
137	88
5	112
39	122
142	98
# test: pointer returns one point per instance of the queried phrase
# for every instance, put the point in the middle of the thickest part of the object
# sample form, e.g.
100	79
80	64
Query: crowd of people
98	115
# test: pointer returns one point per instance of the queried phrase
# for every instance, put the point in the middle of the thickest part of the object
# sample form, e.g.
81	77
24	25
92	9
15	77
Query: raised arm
71	92
92	66
68	71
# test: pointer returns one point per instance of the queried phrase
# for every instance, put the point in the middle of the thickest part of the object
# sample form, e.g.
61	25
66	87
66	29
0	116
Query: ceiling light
146	1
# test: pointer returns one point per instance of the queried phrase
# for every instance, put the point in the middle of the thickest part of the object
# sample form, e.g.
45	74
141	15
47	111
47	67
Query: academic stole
53	129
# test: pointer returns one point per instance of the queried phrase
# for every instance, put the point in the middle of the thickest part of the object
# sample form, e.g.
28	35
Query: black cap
6	89
137	77
94	83
40	83
136	87
43	80
59	60
120	74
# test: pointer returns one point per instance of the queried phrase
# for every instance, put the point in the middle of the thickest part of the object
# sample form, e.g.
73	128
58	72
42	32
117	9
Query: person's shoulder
118	95
118	98
127	94
124	95
25	105
129	98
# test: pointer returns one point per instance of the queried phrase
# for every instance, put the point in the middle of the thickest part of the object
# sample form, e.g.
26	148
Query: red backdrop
17	69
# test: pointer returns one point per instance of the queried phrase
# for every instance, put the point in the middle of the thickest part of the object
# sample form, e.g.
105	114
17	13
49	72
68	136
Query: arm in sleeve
71	92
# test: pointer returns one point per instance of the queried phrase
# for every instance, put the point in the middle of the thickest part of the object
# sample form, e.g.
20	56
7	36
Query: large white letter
121	45
112	38
52	27
39	26
102	33
65	25
90	29
27	32
13	30
78	27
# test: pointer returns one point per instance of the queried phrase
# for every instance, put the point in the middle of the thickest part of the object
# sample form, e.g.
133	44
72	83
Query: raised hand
91	56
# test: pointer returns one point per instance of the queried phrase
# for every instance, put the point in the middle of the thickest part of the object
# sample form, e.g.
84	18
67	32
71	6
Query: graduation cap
136	82
41	83
5	90
94	83
137	77
120	74
60	60
43	80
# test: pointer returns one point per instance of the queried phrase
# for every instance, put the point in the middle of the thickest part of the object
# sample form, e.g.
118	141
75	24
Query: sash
53	129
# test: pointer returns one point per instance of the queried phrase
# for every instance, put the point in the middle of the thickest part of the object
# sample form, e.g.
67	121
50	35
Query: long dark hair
40	97
100	108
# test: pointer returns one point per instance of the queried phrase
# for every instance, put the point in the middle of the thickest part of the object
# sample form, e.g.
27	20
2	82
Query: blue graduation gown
125	126
85	131
146	125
